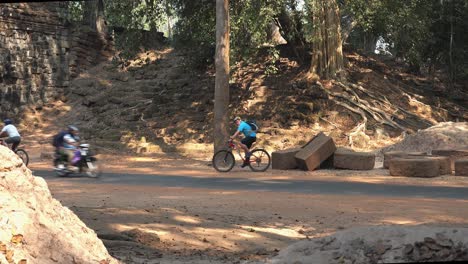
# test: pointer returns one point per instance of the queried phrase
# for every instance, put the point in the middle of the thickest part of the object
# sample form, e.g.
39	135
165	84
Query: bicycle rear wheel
23	155
259	160
223	161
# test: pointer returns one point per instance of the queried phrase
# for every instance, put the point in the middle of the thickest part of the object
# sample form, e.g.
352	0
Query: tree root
376	106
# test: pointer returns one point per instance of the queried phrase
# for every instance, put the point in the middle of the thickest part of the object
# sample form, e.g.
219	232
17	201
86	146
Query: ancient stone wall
40	52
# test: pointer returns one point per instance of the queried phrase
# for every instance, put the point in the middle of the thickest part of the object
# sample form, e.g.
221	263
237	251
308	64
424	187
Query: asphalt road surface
292	186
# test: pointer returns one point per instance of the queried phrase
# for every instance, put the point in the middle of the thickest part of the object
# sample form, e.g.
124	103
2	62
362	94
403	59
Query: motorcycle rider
68	142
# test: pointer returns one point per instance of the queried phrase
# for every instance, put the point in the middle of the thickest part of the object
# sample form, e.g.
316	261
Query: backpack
253	125
57	140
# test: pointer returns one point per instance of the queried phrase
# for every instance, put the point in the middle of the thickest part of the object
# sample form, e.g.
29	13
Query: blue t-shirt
246	129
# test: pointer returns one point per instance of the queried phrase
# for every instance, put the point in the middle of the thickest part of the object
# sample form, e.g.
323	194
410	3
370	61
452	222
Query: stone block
444	162
397	154
461	167
453	154
415	167
284	159
328	163
320	148
353	160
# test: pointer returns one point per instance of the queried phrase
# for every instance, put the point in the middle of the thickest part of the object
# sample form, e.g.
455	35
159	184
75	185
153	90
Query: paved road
292	186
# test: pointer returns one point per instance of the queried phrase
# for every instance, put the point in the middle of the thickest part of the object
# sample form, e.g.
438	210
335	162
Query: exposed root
359	131
374	106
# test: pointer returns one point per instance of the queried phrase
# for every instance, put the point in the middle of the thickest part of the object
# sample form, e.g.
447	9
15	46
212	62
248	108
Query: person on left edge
10	131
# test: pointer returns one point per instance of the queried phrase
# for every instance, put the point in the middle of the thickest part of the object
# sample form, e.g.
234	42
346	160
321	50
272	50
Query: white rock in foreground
36	228
384	244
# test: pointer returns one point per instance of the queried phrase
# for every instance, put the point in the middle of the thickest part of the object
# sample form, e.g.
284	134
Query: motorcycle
85	162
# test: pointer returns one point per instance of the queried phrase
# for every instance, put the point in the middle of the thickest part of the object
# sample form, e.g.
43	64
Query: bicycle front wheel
223	161
23	155
259	160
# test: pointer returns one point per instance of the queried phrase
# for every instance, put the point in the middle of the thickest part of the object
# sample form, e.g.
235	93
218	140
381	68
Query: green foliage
249	21
273	58
75	12
419	31
135	14
425	33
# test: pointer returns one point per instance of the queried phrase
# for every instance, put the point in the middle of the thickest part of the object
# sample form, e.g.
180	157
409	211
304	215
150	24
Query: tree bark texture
101	26
327	53
221	104
93	15
89	13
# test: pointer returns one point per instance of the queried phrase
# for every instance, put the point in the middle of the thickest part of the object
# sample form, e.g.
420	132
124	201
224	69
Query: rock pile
387	244
36	228
447	135
421	164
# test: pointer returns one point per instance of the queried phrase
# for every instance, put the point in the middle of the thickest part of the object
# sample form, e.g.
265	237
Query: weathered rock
453	154
396	154
415	167
444	162
315	152
343	159
380	244
461	167
40	53
284	159
328	163
36	228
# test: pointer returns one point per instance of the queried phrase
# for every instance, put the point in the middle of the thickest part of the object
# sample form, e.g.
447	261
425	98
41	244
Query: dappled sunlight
285	232
236	222
248	235
400	221
144	159
187	219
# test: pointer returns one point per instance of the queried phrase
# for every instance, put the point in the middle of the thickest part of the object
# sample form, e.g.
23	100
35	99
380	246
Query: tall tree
327	54
93	15
100	18
221	103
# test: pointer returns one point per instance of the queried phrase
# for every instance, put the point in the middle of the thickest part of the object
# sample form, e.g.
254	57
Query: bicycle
19	151
224	160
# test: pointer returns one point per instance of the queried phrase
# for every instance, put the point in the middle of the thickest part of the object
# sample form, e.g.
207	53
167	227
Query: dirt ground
198	225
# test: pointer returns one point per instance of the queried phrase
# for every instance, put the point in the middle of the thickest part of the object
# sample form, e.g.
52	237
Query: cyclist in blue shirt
249	138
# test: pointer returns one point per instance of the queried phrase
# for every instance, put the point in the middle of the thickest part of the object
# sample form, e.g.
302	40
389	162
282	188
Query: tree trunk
327	53
93	15
221	104
169	20
101	26
451	65
89	13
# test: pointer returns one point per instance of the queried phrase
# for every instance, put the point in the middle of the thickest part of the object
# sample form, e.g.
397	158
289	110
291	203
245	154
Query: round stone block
396	154
415	167
461	167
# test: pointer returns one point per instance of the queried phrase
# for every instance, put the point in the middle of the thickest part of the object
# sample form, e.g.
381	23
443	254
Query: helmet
237	118
72	128
7	121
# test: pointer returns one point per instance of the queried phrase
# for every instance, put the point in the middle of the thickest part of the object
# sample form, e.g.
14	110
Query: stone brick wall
40	53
